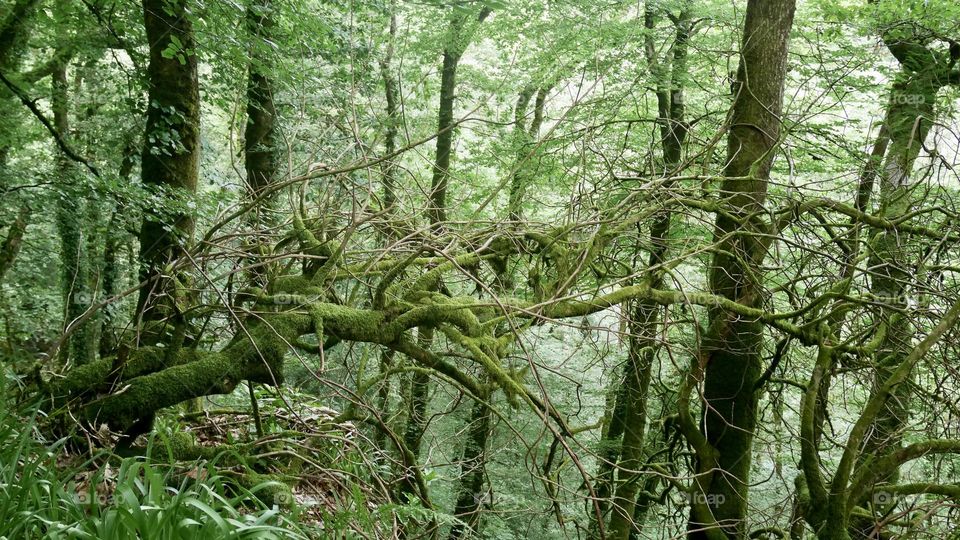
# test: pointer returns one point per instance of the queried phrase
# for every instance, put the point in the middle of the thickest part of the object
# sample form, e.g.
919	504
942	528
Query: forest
480	269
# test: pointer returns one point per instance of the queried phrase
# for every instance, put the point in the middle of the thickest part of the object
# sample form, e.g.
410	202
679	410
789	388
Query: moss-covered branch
880	467
841	494
258	357
813	484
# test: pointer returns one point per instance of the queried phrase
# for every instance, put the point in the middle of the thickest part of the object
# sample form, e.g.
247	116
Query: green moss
270	489
258	358
137	397
351	323
89	377
430	280
433	315
182	446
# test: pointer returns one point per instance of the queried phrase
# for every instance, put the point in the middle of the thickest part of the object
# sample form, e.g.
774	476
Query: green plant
41	498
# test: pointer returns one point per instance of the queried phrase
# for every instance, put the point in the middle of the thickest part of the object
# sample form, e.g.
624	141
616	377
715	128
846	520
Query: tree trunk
644	321
11	244
910	116
472	472
75	278
419	399
260	144
731	349
390	92
441	167
116	238
171	149
801	512
909	121
389	173
456	42
14	30
437	212
521	139
260	151
645	316
13	37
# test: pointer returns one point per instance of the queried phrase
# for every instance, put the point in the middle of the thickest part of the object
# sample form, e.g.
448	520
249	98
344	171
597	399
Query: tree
13	32
462	24
644	323
730	353
170	158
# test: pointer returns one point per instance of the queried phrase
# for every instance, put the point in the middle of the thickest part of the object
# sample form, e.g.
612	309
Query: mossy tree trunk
437	205
391	93
418	400
460	31
800	512
525	137
116	238
730	351
459	34
861	203
911	113
170	159
472	472
77	295
261	155
389	175
645	317
456	40
13	240
622	446
14	28
472	479
14	31
473	464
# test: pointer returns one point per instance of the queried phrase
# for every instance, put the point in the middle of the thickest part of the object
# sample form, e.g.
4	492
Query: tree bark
74	268
645	316
171	150
730	352
911	113
13	37
457	40
472	472
390	93
12	32
389	173
11	244
260	144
